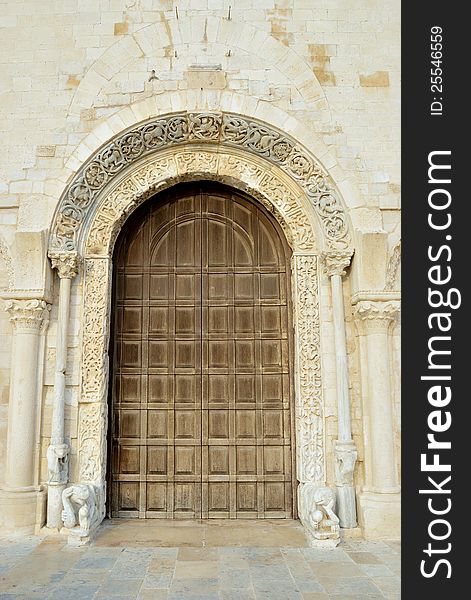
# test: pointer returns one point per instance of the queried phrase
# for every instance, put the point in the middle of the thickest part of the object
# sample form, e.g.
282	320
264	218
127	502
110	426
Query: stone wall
75	71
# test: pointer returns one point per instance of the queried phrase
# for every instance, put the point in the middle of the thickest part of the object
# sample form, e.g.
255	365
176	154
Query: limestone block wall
69	68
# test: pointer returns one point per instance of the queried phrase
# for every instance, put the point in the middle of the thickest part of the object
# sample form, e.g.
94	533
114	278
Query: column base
22	511
78	537
316	504
380	515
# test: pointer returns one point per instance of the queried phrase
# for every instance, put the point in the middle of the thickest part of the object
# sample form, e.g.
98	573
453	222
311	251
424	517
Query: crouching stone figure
316	511
81	507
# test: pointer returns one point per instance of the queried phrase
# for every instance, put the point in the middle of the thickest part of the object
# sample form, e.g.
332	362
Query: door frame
249	155
288	254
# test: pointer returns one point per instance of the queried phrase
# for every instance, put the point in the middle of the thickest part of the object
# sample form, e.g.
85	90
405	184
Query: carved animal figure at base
316	508
80	507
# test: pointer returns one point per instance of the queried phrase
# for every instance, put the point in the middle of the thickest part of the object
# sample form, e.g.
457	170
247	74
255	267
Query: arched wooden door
201	414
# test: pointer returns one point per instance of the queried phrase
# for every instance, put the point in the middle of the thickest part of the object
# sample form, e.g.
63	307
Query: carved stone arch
221	129
265	182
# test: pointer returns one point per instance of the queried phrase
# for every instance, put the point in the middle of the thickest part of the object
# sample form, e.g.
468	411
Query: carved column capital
28	315
375	316
335	262
66	264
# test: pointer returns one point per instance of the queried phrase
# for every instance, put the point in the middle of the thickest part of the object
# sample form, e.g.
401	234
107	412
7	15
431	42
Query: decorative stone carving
81	508
126	196
95	330
196	162
336	263
345	458
309	412
27	315
316	511
58	463
393	272
66	264
375	316
157	175
7	280
222	129
92	442
291	210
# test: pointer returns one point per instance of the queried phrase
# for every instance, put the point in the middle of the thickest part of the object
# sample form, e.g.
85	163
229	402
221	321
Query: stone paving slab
115	567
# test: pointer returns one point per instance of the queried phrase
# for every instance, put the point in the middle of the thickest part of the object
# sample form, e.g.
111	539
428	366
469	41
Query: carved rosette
336	263
309	410
28	316
375	316
66	264
217	129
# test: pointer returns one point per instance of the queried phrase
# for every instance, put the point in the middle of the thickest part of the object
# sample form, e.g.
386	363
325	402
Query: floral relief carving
291	210
92	442
194	162
238	167
221	129
95	330
154	171
309	410
265	185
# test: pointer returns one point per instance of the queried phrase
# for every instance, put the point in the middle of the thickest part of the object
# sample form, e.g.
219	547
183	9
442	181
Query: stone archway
201	371
250	156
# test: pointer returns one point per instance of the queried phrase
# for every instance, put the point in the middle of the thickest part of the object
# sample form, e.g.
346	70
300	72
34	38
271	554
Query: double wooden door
201	421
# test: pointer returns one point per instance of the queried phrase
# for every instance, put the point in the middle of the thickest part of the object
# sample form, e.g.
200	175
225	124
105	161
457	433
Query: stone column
345	451
380	497
58	450
19	495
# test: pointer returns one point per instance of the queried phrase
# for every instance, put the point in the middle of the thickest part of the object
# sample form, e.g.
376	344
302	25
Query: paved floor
259	560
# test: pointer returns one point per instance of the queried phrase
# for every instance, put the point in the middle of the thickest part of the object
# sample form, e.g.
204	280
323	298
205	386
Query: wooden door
201	412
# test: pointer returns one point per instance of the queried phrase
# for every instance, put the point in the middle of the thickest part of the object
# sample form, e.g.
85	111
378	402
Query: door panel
201	411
